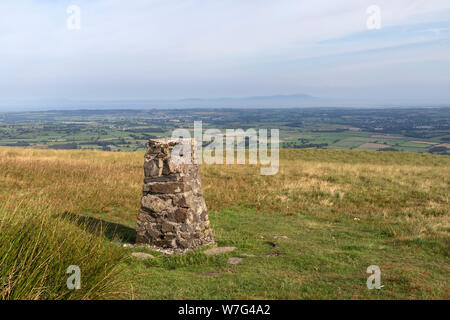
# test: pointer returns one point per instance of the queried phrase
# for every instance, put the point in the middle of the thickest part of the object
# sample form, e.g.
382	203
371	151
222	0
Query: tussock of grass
37	247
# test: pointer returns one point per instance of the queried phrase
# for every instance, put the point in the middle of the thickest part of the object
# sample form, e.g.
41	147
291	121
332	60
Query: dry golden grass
389	186
404	196
96	182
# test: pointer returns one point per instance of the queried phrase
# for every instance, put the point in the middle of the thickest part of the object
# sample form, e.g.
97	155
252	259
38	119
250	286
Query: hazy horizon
170	50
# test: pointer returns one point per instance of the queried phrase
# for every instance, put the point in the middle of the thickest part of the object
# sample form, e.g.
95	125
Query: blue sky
140	49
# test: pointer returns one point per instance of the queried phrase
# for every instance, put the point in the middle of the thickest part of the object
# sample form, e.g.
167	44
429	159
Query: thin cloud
167	48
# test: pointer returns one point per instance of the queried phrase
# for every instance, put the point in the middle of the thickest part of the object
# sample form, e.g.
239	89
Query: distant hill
272	101
269	101
280	101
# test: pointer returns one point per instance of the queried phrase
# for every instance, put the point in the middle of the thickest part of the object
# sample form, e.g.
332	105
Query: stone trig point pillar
173	212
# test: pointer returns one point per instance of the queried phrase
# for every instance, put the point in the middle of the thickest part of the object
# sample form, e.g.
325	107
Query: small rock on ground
247	255
270	243
219	250
273	254
234	260
210	274
142	255
280	237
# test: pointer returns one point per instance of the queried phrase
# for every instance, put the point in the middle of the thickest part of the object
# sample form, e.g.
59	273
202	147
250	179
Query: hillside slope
311	230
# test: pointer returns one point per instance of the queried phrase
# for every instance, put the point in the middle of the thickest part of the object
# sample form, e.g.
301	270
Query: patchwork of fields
422	130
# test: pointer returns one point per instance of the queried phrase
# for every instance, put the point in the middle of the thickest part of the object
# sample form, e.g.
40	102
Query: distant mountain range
274	101
278	97
253	102
271	101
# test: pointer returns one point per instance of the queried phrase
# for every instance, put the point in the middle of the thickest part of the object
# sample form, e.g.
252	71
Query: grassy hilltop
313	229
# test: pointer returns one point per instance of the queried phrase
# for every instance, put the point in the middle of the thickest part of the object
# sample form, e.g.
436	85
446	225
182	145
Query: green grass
400	202
319	260
36	248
